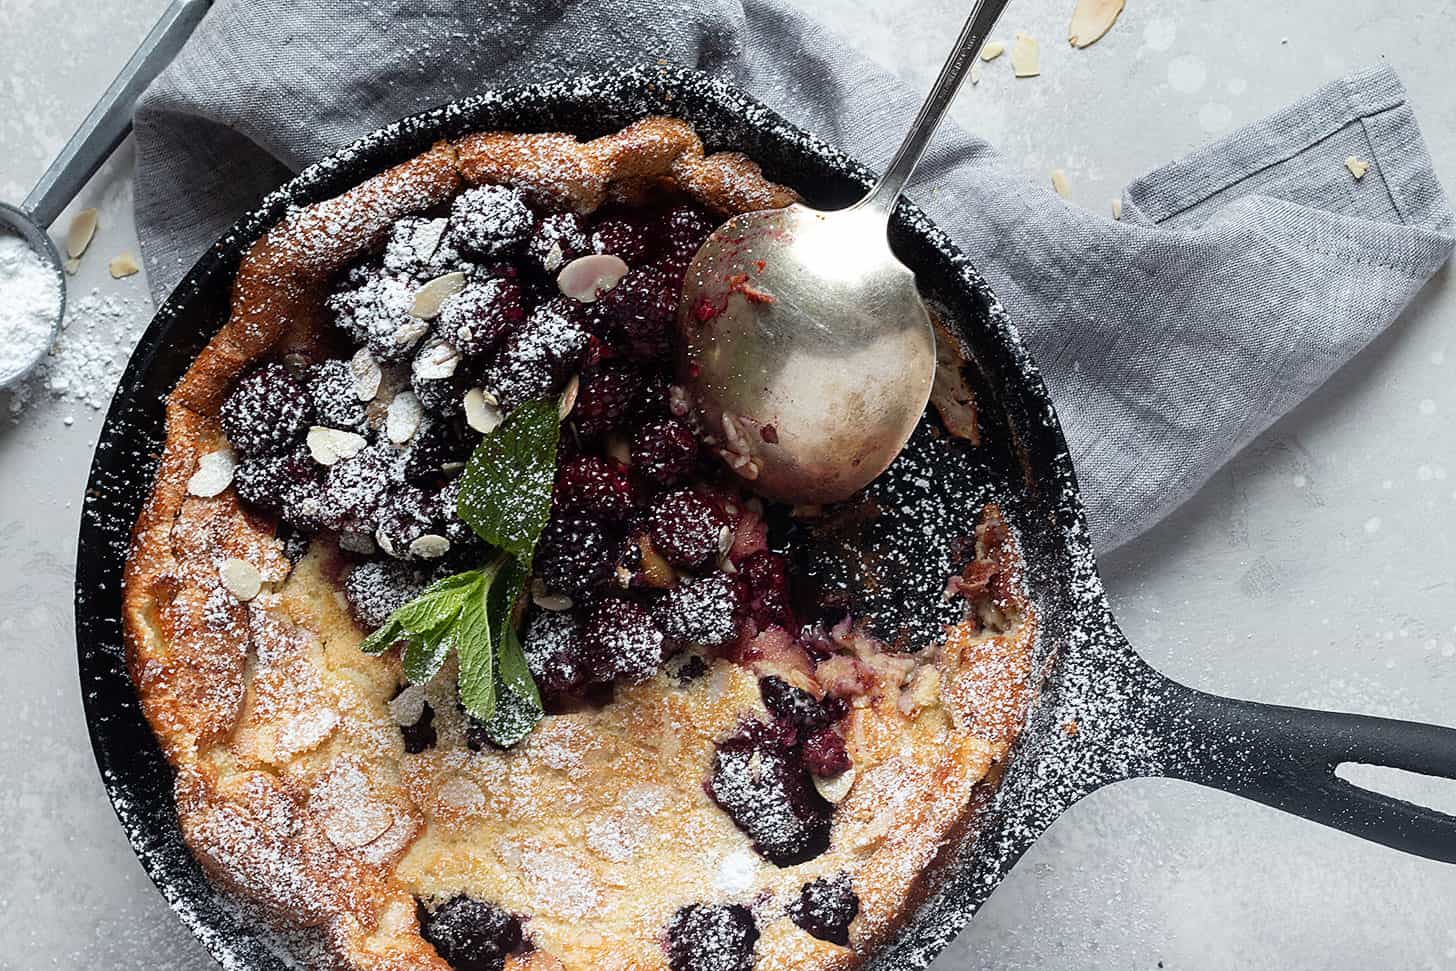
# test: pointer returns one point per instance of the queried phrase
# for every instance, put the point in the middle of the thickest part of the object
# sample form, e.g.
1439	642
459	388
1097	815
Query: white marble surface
1317	569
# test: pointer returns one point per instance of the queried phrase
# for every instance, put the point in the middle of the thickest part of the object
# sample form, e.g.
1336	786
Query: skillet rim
724	117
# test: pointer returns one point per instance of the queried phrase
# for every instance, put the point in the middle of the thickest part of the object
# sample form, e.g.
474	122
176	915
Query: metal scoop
98	136
806	348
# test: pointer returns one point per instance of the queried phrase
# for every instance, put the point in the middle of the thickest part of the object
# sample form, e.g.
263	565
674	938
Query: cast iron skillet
1104	715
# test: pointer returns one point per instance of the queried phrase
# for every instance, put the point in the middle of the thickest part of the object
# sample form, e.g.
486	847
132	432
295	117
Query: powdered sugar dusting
30	301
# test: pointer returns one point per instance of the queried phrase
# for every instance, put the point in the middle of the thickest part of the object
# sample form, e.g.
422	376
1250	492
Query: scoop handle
109	122
962	57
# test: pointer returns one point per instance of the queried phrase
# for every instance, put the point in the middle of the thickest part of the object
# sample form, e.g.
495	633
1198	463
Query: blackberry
703	612
665	451
335	403
373	308
295	543
354	488
760	782
629	239
686	528
824	754
590	486
444	510
798	707
681	232
470	934
825	908
620	640
552	646
489	222
377	588
605	398
638	313
575	554
439	377
272	483
712	937
768	585
433	454
557	240
405	514
538	356
693	668
478	317
417	247
267	413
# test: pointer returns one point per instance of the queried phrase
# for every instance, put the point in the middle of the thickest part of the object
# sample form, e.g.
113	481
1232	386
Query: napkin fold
1237	281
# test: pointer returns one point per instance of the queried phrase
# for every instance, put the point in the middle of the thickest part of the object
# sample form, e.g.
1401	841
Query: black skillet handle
1286	758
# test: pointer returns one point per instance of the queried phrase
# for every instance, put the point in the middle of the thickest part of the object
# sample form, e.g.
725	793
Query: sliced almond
214	473
617	447
356	542
408	707
328	446
976	73
656	571
1025	56
367	374
430	297
568	397
79	236
1357	166
992	50
1091	19
554	602
587	277
123	266
241	578
439	361
482	415
1116	208
835	788
408	333
430	547
1059	182
403	418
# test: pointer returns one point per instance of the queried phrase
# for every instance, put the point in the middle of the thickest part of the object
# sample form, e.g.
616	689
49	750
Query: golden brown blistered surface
293	788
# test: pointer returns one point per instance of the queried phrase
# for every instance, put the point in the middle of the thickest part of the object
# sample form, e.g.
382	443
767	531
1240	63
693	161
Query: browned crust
189	645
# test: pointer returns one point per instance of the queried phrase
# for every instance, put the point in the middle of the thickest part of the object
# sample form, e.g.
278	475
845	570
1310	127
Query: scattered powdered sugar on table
30	299
86	362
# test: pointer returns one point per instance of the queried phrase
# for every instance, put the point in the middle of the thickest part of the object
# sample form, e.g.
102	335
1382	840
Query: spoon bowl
17	220
808	350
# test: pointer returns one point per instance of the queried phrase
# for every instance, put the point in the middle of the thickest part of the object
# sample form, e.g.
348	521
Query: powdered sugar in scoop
30	303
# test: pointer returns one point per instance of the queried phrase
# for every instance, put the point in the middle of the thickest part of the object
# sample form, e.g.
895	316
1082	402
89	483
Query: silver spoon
93	143
806	349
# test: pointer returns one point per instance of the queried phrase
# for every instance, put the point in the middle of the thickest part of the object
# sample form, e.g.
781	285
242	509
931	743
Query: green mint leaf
435	608
505	490
380	641
510	658
518	706
476	648
425	655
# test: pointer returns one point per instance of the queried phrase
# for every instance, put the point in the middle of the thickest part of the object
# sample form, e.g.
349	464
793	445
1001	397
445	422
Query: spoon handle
978	27
110	120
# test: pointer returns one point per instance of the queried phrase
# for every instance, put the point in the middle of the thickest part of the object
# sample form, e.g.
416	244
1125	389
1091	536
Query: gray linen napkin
1238	280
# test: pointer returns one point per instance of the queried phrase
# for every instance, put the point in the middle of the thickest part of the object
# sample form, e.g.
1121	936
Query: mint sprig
505	492
505	497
